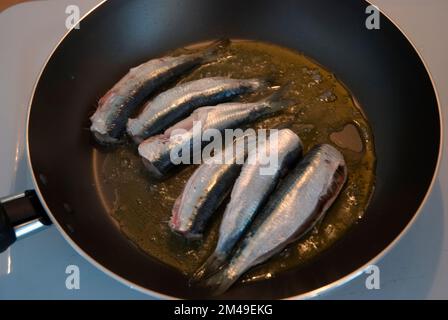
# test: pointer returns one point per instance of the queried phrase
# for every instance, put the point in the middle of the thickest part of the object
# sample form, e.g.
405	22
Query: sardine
157	151
204	192
176	103
300	201
120	102
250	192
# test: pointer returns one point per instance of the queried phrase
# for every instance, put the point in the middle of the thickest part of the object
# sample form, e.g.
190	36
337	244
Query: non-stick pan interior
380	67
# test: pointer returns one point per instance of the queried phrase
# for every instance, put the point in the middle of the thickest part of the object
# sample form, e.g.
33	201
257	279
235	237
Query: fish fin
210	53
277	100
105	140
209	267
152	169
219	282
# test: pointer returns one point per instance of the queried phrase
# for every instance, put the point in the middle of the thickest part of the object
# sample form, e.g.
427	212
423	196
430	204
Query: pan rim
308	295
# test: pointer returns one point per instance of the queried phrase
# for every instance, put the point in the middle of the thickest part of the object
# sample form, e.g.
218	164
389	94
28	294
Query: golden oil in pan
325	113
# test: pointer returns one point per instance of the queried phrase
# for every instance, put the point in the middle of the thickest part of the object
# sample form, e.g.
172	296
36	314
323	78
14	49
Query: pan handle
20	216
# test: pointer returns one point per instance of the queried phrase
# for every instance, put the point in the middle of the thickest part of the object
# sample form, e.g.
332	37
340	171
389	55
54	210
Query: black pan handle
20	215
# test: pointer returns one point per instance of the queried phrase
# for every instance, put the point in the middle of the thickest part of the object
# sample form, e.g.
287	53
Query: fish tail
277	100
219	282
209	267
211	51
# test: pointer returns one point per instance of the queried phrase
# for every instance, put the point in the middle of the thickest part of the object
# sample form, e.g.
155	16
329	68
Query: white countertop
34	268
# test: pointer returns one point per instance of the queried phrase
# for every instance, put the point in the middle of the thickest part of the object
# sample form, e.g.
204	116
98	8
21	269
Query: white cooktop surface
34	268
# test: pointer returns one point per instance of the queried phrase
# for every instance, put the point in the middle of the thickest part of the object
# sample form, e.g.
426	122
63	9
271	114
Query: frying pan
381	67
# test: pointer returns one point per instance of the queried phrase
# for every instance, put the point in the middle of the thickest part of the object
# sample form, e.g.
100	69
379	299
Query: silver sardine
300	201
204	192
250	192
157	152
176	103
120	102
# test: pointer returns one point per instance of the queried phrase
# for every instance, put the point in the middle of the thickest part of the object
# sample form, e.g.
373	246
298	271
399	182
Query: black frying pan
381	68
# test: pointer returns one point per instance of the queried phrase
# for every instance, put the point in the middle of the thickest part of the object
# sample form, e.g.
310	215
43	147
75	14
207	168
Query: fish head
181	225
